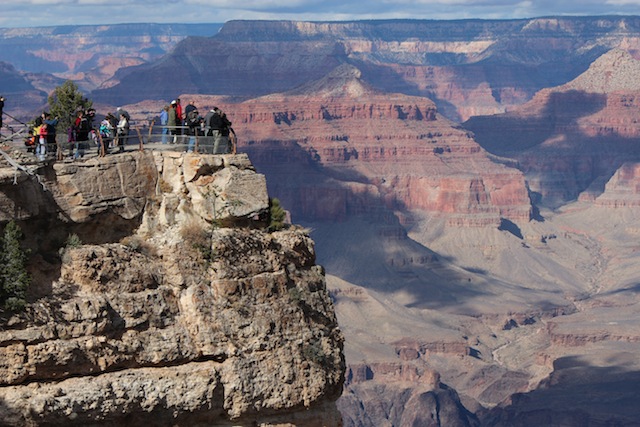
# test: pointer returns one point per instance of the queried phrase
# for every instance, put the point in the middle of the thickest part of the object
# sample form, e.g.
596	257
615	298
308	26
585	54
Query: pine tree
14	279
65	101
277	215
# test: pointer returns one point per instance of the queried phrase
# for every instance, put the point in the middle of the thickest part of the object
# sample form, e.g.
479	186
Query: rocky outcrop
623	189
402	394
198	316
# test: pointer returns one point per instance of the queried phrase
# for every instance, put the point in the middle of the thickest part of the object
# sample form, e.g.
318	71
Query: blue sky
31	13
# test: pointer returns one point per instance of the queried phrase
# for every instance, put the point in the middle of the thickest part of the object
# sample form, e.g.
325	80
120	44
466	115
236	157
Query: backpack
193	118
82	132
104	130
215	122
83	126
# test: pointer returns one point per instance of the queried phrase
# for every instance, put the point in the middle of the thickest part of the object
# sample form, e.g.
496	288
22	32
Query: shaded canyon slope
572	139
92	56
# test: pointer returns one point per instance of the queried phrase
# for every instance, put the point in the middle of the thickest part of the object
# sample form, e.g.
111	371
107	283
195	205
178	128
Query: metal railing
141	136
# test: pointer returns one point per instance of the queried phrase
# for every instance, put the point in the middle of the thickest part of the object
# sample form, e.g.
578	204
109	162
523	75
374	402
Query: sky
36	13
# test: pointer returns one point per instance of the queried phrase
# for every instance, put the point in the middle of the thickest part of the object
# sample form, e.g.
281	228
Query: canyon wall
177	307
468	67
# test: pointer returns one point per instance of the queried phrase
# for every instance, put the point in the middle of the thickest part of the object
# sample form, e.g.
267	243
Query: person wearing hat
172	121
120	111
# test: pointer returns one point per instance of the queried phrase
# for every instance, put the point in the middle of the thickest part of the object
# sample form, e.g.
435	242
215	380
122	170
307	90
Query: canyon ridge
472	191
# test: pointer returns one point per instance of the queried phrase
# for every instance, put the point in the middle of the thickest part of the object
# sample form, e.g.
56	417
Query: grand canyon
472	189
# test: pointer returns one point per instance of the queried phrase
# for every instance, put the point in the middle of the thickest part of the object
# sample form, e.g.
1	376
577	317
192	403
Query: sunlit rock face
180	307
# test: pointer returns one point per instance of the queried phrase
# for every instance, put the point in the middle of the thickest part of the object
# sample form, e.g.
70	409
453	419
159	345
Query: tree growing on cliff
14	279
277	215
65	101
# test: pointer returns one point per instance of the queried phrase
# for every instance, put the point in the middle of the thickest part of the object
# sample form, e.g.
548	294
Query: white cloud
624	2
26	13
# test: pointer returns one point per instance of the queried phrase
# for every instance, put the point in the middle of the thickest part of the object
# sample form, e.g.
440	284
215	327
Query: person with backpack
51	123
193	121
224	134
40	130
81	128
215	127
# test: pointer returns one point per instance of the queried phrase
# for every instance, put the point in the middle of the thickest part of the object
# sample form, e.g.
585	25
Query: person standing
52	145
193	125
1	113
82	129
218	125
164	118
123	131
179	117
224	133
172	121
41	131
106	133
214	125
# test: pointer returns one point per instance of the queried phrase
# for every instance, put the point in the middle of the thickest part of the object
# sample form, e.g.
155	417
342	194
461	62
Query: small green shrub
14	279
313	353
277	215
73	241
199	237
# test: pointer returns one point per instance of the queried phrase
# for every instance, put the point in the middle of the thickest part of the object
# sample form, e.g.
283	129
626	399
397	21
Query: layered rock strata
337	147
571	139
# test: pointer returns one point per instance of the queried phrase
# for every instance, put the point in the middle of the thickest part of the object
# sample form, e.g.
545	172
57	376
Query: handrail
141	135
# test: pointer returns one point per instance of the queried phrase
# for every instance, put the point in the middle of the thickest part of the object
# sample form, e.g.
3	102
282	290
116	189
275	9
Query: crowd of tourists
205	133
112	132
211	132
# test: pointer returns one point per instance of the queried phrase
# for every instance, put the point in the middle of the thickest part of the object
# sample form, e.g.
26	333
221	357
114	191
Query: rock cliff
179	308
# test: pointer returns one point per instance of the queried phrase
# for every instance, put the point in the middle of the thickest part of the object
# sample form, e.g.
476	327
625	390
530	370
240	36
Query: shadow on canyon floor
360	238
505	134
576	394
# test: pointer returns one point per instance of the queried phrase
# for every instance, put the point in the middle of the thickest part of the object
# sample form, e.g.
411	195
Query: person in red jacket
179	116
